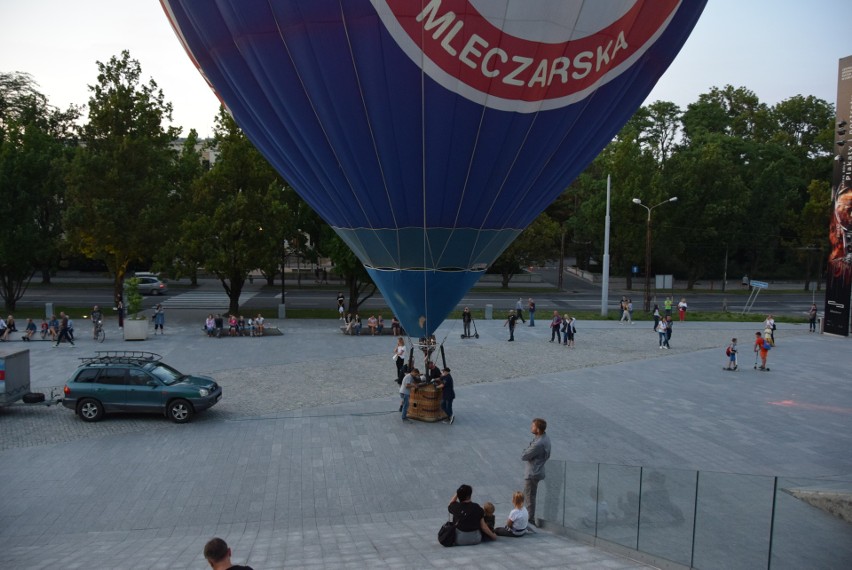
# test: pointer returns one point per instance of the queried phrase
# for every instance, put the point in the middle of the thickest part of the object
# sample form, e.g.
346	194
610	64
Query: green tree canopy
121	178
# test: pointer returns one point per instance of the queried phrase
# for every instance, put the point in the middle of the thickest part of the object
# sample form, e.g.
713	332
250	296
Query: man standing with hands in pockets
534	457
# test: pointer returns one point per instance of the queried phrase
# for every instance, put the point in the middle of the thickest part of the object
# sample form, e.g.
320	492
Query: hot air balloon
430	133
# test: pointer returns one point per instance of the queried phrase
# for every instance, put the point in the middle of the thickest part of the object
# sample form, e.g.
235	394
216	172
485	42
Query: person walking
97	318
63	330
159	319
812	316
519	309
555	325
761	347
534	457
669	330
661	330
447	395
510	321
656	316
531	309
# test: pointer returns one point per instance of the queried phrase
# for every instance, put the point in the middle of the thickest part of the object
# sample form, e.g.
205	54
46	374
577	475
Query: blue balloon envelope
430	133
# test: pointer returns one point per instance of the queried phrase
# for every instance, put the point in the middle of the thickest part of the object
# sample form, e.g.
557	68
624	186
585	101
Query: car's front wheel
180	411
90	410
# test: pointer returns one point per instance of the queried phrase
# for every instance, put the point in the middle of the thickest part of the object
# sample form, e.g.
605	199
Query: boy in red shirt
760	345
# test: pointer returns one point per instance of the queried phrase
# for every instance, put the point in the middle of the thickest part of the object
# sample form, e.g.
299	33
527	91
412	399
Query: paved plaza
306	464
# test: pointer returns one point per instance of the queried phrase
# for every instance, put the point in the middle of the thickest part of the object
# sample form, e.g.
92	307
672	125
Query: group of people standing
474	523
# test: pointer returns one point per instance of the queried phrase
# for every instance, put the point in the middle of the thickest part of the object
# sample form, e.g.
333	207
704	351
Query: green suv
136	381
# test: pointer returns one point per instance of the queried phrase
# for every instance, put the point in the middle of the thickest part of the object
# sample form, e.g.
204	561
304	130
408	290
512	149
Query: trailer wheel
33	398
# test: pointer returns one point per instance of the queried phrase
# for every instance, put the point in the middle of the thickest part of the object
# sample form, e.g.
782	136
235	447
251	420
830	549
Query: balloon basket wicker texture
425	404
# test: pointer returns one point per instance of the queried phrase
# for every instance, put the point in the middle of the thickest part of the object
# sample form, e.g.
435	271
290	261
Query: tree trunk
352	285
45	276
234	289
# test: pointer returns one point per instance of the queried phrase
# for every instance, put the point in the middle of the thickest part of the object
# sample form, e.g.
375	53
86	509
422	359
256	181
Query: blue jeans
447	406
664	341
532	318
405	398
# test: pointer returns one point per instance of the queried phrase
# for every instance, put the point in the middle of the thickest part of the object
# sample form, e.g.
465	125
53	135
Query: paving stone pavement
305	462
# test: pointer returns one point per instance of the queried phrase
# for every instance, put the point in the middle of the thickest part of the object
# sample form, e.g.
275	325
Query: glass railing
703	519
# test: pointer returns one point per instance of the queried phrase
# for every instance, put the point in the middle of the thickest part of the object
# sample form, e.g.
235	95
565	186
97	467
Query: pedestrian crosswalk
213	300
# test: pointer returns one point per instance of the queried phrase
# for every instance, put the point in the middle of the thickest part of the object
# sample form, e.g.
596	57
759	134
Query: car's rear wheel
90	410
180	411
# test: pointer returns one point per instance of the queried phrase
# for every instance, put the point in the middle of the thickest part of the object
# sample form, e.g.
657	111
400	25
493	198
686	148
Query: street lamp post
638	202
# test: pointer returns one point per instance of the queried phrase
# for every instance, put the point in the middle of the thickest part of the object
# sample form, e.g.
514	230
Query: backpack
728	351
767	345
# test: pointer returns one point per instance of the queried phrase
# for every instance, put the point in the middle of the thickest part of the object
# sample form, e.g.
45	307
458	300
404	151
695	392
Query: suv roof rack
121	357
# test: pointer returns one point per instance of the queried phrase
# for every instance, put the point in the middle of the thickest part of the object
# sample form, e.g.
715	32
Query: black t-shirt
466	515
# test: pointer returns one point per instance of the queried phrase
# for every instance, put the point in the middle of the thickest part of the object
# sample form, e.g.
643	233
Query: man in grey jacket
535	456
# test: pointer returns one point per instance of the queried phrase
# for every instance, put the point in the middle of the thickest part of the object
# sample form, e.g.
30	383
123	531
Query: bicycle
100	335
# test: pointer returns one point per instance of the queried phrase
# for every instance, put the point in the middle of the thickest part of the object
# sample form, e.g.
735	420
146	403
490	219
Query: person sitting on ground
241	325
258	324
490	520
396	328
347	323
356	324
380	324
469	518
516	524
44	329
30	331
250	326
4	330
219	325
218	556
233	329
210	325
372	324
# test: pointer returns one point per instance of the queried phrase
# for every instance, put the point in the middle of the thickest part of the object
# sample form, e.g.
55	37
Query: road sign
759	284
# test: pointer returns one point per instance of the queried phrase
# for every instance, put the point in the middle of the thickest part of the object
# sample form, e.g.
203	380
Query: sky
775	48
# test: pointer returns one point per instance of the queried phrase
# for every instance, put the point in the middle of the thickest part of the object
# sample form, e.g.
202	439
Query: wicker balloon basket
425	404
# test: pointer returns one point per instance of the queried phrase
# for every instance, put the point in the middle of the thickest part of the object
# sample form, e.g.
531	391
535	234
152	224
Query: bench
268	330
365	331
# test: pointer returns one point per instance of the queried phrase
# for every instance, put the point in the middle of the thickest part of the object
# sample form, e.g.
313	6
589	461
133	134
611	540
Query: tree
35	145
349	267
534	246
239	215
177	256
120	180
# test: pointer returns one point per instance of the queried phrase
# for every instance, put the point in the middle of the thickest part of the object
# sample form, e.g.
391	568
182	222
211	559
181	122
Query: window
113	376
87	375
138	378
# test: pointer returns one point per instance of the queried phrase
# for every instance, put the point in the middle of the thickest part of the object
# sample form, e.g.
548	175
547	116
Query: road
578	295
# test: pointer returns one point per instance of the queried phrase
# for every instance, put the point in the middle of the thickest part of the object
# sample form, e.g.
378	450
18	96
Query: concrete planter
135	329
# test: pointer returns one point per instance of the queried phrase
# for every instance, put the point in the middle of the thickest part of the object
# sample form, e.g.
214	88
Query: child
516	524
731	353
488	507
44	328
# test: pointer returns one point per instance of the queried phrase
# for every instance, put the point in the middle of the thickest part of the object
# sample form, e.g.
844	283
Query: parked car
136	381
150	284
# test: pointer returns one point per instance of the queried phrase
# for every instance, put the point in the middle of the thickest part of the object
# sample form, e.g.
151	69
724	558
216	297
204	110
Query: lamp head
637	201
673	199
